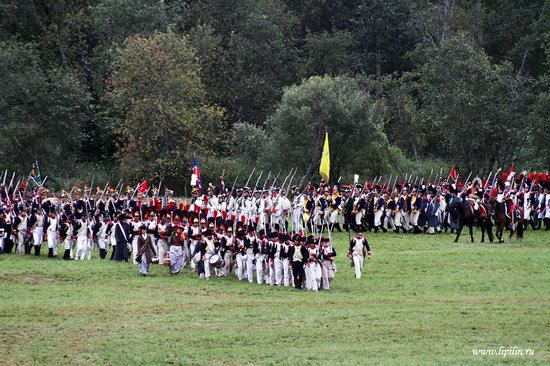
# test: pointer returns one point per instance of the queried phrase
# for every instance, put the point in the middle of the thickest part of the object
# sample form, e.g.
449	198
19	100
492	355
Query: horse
465	213
502	221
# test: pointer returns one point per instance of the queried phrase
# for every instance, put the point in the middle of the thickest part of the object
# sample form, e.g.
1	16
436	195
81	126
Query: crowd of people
275	235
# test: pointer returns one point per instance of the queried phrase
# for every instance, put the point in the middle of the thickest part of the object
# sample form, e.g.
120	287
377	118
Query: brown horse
503	221
464	212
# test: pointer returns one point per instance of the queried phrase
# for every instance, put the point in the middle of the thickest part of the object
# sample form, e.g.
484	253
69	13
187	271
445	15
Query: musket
11	181
5	176
134	192
120	189
70	195
16	188
466	183
257	181
88	195
487	181
389	182
430	178
290	183
233	186
265	183
158	189
102	193
283	185
494	178
118	184
274	180
250	176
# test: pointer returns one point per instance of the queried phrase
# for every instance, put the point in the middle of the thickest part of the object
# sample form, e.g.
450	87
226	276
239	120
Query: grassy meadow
422	300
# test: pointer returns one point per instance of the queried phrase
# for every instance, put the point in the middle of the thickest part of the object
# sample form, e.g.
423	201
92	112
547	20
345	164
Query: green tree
339	105
470	110
41	111
159	111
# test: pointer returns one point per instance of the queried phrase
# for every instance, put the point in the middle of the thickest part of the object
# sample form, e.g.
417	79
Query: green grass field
422	300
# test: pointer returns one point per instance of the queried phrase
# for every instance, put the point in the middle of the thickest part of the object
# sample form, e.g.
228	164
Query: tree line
138	88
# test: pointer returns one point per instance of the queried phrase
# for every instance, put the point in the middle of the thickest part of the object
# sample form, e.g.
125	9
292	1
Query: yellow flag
324	169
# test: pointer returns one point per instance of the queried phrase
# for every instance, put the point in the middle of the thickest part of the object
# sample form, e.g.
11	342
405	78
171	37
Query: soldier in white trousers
358	248
51	231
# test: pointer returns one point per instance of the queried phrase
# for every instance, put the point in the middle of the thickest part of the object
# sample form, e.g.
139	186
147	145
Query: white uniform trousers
52	241
241	265
81	243
250	267
358	261
135	249
38	235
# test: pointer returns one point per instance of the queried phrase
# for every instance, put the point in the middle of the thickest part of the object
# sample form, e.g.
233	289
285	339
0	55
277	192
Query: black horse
464	212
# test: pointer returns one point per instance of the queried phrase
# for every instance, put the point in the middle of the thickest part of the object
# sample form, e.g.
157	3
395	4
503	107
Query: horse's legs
471	226
458	231
482	227
490	230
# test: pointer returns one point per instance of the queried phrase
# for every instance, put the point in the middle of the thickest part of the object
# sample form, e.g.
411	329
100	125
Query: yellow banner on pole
324	169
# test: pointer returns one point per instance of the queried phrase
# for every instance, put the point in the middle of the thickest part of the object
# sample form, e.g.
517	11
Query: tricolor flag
324	169
196	176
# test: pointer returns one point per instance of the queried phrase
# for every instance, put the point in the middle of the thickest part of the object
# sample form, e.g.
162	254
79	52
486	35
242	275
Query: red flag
143	187
453	174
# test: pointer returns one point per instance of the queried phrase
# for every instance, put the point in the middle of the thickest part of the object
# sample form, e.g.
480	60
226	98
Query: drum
216	261
166	261
155	260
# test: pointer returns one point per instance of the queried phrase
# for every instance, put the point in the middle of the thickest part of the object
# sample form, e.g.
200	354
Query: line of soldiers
258	227
200	232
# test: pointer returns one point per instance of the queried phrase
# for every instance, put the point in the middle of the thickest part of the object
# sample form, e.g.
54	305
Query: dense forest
138	88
